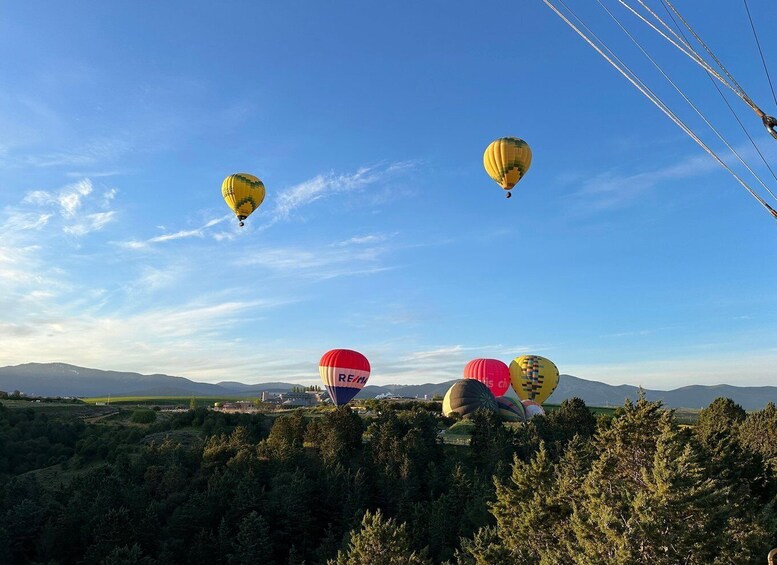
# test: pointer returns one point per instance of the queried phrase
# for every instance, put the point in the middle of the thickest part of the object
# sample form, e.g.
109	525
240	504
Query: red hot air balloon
344	373
491	372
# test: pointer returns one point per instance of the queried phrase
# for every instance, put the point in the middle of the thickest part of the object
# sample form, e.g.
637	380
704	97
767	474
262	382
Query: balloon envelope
532	409
533	377
506	160
243	193
344	373
466	396
510	410
491	372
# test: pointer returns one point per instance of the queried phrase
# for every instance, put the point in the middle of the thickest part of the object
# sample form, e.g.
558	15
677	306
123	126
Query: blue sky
626	254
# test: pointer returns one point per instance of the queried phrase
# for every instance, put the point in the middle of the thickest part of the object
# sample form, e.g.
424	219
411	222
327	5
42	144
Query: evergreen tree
338	436
491	443
758	433
287	435
723	415
379	541
253	543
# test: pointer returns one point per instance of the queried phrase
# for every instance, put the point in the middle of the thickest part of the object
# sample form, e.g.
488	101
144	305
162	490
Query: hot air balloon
466	396
532	409
510	410
506	161
491	372
533	377
344	372
243	193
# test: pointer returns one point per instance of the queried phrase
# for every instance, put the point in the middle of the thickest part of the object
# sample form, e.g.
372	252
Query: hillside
60	379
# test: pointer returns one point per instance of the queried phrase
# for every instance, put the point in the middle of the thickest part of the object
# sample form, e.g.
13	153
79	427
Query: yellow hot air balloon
506	161
533	377
243	193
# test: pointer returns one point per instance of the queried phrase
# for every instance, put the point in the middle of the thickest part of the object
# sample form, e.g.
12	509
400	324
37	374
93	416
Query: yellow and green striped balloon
243	193
506	161
533	377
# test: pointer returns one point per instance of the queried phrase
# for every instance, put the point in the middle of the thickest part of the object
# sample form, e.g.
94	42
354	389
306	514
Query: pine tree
759	433
253	543
528	510
723	415
379	541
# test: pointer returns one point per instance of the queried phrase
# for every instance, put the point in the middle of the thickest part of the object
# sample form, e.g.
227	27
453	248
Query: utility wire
741	91
634	80
728	104
685	97
681	43
758	43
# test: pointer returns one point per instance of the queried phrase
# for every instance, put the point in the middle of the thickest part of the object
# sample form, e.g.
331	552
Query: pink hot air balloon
491	372
344	372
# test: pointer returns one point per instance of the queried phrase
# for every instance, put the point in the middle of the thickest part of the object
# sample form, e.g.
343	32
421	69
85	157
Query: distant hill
595	393
60	379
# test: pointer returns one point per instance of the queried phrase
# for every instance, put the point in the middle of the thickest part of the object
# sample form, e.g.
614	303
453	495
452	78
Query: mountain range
60	379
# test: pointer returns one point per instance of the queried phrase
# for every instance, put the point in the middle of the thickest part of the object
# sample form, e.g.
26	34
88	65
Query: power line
649	94
685	97
728	104
758	43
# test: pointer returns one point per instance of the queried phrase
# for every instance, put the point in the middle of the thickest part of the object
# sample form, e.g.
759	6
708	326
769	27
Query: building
241	406
299	399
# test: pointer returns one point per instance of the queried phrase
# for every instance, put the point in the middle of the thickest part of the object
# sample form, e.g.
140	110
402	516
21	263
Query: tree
491	444
640	491
758	432
127	555
573	418
253	542
143	416
379	541
723	415
287	435
338	436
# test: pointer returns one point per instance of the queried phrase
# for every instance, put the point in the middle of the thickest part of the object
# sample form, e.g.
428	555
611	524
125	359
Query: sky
626	255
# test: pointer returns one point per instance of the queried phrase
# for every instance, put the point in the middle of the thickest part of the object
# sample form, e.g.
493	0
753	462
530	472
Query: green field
76	409
201	401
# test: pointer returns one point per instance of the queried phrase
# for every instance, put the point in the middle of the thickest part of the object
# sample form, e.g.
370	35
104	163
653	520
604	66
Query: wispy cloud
191	338
290	200
74	204
90	223
181	234
322	262
91	154
612	189
363	240
329	184
321	186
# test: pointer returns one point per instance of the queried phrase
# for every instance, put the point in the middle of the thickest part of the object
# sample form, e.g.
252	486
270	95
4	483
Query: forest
337	487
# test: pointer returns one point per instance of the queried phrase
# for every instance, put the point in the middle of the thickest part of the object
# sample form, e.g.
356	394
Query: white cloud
612	188
73	204
321	186
109	195
90	154
289	200
190	339
70	197
329	184
362	240
182	234
319	263
16	221
90	223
